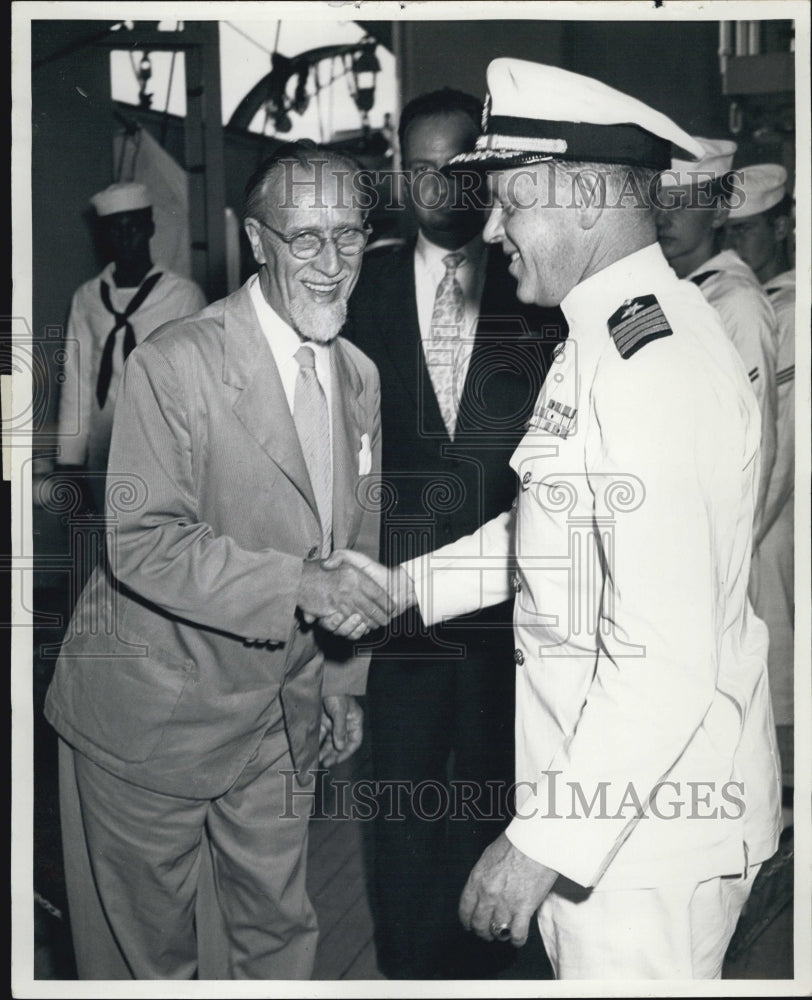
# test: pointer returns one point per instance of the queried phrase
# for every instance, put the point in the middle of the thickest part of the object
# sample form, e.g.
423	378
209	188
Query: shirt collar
431	256
284	341
108	275
784	280
725	260
599	295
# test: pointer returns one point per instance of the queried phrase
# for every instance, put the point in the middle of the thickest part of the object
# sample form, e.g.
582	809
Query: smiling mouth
322	288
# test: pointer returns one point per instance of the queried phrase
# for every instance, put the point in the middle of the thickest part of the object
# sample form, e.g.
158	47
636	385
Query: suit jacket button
518	657
517	583
313	553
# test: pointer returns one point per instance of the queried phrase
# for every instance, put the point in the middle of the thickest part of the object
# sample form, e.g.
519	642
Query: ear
589	194
782	227
720	214
252	231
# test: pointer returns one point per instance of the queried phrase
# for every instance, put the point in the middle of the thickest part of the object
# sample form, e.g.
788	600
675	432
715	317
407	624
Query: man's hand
342	728
396	582
504	889
342	598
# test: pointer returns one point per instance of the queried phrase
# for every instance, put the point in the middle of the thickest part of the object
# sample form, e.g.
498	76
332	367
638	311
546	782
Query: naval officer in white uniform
648	779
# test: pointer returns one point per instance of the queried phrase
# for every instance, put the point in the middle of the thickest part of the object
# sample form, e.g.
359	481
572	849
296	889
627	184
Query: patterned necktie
313	427
122	320
442	346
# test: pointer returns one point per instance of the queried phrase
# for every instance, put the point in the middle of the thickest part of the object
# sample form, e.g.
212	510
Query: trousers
162	887
443	729
677	931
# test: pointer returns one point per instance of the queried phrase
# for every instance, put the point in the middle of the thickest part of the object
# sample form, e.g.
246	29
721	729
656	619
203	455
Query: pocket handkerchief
365	456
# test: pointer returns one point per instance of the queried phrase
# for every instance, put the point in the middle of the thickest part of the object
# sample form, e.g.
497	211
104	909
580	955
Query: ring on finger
500	931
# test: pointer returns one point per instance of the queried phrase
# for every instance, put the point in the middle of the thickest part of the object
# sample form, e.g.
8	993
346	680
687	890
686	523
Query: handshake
350	594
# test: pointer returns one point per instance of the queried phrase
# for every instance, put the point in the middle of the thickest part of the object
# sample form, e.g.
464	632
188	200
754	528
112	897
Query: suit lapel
261	405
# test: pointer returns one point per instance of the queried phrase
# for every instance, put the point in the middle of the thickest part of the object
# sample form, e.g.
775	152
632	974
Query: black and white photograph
410	507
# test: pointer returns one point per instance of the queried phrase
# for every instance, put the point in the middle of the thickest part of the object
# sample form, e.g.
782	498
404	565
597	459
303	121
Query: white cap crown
762	186
535	112
716	160
122	197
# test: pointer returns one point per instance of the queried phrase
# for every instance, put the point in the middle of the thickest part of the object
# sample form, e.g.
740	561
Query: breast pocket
554	537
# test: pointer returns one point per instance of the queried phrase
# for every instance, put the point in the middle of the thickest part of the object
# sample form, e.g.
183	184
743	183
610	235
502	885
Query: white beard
319	323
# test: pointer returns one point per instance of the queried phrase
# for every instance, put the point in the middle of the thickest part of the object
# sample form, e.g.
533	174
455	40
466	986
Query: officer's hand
342	729
342	599
504	889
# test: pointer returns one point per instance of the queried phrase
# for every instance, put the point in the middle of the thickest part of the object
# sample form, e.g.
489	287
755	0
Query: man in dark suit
191	694
461	363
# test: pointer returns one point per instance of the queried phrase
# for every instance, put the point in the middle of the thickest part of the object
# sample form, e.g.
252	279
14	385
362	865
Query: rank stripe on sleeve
636	323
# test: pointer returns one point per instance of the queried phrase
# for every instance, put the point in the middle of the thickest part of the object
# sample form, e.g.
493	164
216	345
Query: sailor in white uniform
758	230
693	207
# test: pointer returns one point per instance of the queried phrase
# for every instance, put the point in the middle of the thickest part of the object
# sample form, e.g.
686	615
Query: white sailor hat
124	197
762	186
716	160
535	112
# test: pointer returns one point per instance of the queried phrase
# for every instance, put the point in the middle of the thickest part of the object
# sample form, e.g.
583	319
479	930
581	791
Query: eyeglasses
308	243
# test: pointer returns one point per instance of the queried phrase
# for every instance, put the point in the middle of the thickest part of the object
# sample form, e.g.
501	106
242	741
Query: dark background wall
71	158
672	66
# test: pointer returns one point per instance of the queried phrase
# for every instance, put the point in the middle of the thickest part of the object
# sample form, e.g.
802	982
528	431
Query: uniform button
517	583
526	479
313	553
518	657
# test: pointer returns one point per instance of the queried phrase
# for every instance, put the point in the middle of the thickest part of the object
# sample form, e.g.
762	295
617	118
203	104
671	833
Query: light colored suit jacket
177	651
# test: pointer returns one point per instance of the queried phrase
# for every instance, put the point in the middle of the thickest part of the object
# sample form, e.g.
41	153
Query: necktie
442	347
122	320
313	427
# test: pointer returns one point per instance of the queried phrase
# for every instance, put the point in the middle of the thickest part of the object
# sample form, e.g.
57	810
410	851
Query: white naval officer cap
122	197
761	186
534	112
715	161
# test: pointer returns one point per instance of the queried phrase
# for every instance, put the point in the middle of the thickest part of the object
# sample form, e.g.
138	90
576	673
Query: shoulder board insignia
637	323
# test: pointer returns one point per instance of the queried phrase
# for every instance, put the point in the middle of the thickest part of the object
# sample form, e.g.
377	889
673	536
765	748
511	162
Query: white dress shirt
284	342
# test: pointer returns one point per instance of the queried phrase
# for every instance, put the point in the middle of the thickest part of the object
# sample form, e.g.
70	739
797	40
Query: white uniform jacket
781	293
749	320
645	744
772	579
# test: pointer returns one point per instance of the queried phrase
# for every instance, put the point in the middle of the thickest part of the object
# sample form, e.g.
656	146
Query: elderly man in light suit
193	674
648	780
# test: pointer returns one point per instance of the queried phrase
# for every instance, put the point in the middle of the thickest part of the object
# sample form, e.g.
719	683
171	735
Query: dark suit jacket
174	656
435	490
